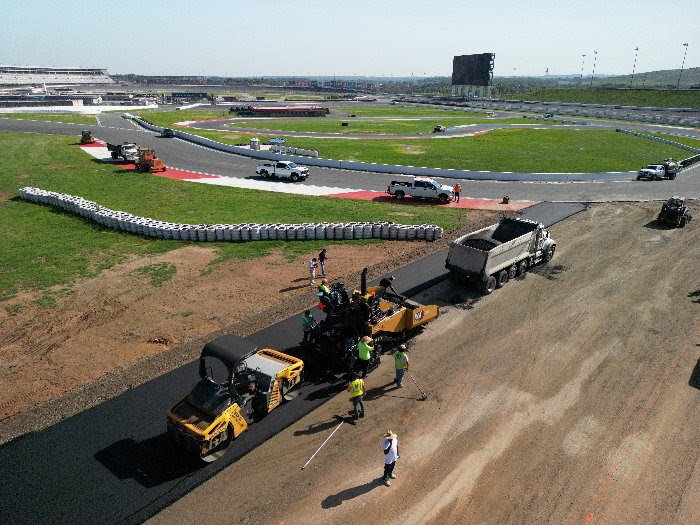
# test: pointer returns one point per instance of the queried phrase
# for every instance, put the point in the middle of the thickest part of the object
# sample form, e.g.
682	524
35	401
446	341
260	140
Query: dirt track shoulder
566	397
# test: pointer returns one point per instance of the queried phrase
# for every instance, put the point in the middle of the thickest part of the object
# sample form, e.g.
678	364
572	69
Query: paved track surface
183	155
113	463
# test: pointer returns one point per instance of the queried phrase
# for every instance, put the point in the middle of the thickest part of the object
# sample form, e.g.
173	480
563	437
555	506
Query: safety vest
363	351
323	288
400	360
356	387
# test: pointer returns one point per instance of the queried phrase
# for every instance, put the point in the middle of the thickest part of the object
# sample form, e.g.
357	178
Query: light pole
583	63
636	52
683	64
595	57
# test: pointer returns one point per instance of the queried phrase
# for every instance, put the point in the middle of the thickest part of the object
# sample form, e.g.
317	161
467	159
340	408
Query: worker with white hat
390	445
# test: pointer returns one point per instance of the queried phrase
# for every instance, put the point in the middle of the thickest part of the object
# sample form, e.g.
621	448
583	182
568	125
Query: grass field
53	117
683	140
42	247
624	97
527	150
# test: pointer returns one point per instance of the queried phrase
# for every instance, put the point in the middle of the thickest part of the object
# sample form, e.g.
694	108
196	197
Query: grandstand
22	76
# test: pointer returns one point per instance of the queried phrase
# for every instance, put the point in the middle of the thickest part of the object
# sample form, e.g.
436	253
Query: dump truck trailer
491	256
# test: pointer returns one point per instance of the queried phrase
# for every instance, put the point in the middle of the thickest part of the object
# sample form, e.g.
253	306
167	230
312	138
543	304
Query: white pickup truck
421	188
285	169
667	170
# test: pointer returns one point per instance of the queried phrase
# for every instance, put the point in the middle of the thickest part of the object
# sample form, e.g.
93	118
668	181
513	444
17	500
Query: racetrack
182	155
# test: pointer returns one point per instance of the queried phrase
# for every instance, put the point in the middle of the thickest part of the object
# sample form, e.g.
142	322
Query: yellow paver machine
238	385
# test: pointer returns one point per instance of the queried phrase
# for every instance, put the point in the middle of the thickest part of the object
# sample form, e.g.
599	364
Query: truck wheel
501	279
512	271
522	267
683	222
672	176
443	198
264	173
220	449
549	254
294	177
489	285
399	195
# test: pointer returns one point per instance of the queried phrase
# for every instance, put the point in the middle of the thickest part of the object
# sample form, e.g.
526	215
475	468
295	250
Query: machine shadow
336	500
150	463
694	380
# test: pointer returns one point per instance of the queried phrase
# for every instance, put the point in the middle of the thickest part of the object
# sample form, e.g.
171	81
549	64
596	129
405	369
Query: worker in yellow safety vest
356	387
401	364
365	347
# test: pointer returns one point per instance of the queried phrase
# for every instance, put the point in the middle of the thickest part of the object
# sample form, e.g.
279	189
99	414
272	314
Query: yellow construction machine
253	383
86	137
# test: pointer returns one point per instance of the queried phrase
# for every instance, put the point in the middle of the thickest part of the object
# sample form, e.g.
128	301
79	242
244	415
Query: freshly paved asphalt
183	155
113	463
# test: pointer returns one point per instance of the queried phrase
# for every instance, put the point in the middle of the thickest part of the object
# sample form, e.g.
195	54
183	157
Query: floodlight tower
595	57
636	52
583	63
683	64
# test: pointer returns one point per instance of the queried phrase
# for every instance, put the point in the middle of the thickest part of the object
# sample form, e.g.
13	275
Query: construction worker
365	347
308	323
312	270
401	364
356	387
458	190
323	287
385	283
390	446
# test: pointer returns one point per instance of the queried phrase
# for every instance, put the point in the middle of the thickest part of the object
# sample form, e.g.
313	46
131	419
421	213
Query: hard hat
402	347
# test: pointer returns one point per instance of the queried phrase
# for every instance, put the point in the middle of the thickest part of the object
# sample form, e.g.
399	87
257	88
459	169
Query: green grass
159	273
372	110
53	117
623	97
527	150
694	143
42	247
325	125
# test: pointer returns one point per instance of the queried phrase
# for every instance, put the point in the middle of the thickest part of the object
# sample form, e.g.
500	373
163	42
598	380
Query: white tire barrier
126	222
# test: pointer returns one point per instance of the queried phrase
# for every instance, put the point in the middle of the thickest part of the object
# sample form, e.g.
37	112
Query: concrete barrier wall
659	139
366	166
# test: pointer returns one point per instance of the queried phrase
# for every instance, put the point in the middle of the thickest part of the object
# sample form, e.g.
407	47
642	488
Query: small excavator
148	162
86	137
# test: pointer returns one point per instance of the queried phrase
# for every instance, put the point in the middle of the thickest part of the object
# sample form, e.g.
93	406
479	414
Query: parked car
167	133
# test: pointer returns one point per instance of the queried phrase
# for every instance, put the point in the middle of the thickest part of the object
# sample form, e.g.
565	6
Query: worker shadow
150	463
338	499
297	287
315	428
695	294
378	391
694	380
656	225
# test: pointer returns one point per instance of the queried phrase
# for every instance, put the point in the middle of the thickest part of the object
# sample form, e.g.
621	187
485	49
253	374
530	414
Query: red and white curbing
99	150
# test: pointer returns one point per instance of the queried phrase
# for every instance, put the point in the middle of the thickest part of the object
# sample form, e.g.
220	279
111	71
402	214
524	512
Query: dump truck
238	385
147	161
490	257
128	152
86	137
674	213
386	317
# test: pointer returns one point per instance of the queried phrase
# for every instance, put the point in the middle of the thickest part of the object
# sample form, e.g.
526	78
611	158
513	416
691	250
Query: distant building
280	111
27	75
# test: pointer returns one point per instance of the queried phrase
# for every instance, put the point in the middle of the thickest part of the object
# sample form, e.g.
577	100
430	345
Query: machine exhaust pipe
363	283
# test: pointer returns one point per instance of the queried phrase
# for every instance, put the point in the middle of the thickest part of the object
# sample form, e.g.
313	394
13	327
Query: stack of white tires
127	222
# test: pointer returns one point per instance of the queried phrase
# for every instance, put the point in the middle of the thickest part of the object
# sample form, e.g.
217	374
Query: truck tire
501	279
399	195
489	285
522	267
672	176
683	222
549	254
264	173
443	198
512	271
294	177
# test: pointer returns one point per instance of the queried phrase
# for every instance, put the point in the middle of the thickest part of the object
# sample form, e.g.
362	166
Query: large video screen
472	70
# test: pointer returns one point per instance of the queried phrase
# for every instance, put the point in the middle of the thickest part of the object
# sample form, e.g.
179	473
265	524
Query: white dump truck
493	255
283	168
665	170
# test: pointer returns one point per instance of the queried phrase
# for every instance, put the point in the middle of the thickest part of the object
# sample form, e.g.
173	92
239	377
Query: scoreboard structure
472	71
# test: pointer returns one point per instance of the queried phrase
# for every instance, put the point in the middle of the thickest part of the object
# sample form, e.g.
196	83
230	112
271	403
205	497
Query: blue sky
357	37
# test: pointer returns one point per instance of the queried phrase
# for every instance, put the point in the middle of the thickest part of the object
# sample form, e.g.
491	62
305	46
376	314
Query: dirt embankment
117	330
569	396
